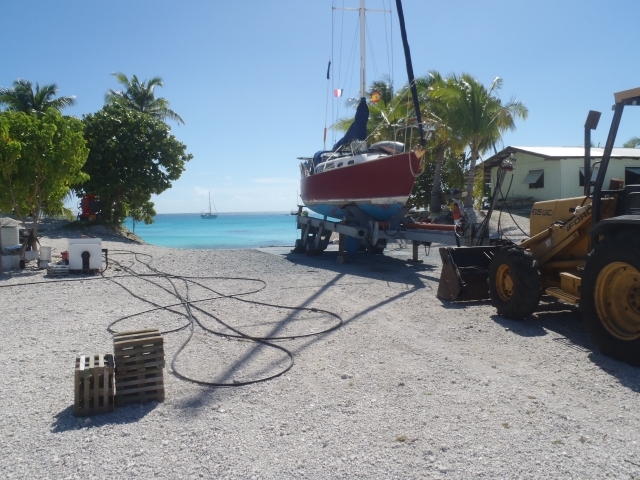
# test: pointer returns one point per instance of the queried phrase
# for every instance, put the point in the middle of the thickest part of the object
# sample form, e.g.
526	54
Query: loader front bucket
465	271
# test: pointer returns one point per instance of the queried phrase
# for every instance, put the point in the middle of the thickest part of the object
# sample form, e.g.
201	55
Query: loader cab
628	195
630	201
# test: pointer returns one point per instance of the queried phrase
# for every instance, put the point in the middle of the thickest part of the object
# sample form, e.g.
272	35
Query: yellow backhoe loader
584	251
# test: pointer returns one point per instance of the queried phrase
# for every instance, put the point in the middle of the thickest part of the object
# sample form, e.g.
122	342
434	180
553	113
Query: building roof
558	153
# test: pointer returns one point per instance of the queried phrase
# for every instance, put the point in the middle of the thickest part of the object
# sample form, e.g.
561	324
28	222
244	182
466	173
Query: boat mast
412	82
363	59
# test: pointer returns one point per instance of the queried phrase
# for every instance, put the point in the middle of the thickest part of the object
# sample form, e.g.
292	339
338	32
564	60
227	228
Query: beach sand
408	387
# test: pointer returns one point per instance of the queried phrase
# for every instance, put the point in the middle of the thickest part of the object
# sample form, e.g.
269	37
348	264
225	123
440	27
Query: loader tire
514	283
610	297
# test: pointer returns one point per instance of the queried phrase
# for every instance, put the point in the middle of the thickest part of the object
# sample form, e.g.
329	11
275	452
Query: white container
30	255
9	236
45	254
80	245
10	262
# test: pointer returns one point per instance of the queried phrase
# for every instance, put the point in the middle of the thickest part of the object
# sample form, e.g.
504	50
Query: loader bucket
465	273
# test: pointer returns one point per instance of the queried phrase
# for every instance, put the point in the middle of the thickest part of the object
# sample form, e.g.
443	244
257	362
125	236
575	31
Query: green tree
22	98
442	141
132	156
41	156
478	117
387	118
451	177
634	142
140	96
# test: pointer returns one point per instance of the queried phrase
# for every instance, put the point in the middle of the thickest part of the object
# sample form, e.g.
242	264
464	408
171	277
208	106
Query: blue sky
248	76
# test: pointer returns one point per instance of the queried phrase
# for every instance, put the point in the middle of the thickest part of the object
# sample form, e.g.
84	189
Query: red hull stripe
384	178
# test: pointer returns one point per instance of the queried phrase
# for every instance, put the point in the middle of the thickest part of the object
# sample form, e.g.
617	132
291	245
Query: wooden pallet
94	384
56	270
139	358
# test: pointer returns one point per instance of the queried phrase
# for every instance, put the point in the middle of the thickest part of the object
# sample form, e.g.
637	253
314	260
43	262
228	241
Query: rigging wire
386	37
509	210
371	50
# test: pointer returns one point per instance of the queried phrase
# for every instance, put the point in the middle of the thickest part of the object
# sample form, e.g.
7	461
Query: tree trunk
33	236
435	205
471	174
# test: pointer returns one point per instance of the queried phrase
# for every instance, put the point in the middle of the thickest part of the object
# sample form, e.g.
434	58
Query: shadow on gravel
462	305
209	395
27	273
627	375
553	316
567	322
377	267
65	420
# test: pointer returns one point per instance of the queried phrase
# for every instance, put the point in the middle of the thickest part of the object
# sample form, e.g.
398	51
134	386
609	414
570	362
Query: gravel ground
408	387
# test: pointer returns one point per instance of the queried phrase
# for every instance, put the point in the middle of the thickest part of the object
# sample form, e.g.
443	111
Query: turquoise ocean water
229	230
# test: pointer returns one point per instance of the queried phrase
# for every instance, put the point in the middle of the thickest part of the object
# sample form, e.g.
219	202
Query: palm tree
442	139
140	96
22	98
478	117
634	142
387	118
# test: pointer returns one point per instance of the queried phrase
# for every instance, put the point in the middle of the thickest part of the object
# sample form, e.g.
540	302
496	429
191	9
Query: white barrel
45	254
15	260
9	236
7	263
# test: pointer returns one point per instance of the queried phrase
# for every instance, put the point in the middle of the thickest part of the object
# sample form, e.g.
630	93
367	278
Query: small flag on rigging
337	92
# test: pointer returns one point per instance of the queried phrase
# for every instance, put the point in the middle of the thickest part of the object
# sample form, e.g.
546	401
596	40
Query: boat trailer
368	235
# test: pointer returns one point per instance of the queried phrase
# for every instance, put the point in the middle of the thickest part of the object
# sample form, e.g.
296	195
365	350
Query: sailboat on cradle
211	214
357	181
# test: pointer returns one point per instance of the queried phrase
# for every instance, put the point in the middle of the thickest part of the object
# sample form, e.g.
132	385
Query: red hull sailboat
357	181
378	186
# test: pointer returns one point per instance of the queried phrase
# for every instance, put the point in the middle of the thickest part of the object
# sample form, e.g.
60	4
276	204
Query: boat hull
378	187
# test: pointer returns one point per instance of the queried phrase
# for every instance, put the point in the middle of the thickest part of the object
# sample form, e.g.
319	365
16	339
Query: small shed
547	173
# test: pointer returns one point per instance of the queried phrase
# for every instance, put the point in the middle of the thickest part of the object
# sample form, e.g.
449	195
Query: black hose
189	306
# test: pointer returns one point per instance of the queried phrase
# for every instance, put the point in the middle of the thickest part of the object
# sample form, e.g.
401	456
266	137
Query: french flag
337	92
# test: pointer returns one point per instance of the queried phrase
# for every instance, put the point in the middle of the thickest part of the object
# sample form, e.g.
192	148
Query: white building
547	173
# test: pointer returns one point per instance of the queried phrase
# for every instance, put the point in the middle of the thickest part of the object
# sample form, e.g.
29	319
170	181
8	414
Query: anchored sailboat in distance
211	214
356	181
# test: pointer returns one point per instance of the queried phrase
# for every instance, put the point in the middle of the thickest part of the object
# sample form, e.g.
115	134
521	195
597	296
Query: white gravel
408	387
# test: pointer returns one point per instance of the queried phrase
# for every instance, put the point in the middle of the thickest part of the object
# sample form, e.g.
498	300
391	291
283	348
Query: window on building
535	179
632	176
594	174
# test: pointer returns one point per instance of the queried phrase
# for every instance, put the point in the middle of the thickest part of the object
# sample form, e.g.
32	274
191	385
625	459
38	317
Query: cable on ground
189	306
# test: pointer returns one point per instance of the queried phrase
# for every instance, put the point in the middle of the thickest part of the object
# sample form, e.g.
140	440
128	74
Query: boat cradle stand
316	233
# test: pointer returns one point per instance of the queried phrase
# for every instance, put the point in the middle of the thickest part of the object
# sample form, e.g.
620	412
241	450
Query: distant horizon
219	213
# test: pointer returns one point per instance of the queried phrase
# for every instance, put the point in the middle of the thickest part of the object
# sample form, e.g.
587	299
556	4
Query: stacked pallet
139	357
94	389
56	270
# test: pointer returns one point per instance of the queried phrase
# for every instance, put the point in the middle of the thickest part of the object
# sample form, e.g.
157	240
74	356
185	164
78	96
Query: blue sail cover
358	129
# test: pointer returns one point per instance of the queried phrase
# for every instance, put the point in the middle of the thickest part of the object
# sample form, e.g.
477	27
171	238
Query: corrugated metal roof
577	152
555	153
